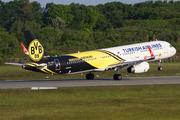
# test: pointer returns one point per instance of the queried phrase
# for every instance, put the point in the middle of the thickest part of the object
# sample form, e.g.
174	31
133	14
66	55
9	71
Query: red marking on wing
118	52
152	55
24	49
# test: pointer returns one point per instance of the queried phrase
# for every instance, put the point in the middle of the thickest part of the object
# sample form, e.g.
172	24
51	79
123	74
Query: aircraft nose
174	51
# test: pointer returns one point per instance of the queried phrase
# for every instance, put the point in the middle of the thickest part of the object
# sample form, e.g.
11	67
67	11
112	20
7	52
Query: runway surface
83	82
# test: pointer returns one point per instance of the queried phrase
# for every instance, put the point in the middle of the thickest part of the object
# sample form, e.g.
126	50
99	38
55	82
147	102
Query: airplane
134	57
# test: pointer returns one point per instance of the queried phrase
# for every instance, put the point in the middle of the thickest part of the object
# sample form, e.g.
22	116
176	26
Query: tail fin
35	49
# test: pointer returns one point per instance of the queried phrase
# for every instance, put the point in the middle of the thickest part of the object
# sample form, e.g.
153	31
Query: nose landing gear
159	67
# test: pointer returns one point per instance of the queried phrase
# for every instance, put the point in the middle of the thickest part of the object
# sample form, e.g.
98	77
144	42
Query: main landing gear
90	76
117	76
159	67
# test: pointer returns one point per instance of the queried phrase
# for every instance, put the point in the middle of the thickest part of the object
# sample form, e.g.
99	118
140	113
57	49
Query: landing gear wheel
117	77
90	76
160	68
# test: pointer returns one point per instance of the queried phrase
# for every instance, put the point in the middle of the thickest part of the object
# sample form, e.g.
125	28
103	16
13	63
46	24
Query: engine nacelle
139	68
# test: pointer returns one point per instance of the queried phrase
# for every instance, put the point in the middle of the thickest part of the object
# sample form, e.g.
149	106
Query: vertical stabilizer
35	49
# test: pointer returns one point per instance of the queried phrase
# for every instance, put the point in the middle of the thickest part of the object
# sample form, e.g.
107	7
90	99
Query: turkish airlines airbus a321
134	57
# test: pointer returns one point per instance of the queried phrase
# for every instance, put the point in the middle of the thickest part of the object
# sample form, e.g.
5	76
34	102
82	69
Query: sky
85	2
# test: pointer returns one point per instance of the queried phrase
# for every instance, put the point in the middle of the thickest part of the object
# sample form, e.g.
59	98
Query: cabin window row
80	61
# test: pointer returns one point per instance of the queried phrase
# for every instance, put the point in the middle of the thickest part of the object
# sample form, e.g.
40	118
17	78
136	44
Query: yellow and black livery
97	60
41	61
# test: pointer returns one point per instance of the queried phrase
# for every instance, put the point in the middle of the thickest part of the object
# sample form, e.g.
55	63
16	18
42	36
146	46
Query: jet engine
139	68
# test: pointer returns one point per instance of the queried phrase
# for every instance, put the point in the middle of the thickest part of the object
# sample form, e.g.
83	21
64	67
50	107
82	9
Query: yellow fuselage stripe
50	71
98	59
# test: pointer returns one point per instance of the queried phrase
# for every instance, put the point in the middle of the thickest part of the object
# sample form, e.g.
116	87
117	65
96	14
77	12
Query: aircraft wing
126	65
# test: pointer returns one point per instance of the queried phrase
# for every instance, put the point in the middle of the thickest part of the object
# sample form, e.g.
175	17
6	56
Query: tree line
70	28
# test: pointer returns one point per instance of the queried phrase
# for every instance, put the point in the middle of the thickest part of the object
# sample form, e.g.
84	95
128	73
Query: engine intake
139	68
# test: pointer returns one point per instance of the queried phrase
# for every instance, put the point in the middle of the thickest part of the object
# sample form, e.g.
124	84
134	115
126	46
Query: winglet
152	55
24	49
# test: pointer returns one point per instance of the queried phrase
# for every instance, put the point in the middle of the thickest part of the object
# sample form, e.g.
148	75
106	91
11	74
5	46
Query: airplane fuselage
134	57
102	59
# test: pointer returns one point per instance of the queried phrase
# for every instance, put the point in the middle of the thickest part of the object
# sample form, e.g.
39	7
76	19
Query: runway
15	84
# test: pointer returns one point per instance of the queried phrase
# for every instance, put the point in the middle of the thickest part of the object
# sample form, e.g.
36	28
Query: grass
17	73
150	102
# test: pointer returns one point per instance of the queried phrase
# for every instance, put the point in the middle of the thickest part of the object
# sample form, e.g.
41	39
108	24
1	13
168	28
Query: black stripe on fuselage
73	66
113	55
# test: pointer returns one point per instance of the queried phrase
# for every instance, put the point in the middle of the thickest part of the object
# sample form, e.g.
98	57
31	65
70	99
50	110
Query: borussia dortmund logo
36	50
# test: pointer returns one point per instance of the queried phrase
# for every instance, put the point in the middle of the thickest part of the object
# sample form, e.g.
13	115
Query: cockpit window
170	46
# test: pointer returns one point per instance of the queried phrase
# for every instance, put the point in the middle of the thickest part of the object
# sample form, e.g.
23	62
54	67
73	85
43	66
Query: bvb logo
36	50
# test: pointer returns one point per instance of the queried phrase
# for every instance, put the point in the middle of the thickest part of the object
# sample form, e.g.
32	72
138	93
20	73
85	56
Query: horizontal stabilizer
14	64
36	65
41	65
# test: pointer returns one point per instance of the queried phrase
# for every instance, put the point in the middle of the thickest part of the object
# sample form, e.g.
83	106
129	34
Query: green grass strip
149	102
